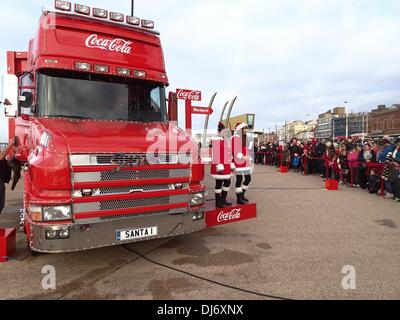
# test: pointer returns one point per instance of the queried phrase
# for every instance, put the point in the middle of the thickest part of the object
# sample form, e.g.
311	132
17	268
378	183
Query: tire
33	253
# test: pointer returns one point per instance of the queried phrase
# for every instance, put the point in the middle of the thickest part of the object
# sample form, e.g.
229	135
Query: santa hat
240	126
221	126
7	102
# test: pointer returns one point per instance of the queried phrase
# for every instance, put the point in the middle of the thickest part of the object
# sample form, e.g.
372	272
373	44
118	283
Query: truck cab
103	165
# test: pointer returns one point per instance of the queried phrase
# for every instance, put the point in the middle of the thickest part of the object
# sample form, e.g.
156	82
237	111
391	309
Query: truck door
27	90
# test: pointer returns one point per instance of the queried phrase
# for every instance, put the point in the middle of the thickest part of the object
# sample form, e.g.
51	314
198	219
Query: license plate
136	234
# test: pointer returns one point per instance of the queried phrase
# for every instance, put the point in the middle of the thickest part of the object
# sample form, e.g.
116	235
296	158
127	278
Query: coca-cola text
184	94
229	216
115	45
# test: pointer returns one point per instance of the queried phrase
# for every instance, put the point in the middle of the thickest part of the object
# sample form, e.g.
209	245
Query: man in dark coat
4	173
319	152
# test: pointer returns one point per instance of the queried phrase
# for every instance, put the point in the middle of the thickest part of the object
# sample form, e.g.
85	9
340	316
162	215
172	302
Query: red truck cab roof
82	43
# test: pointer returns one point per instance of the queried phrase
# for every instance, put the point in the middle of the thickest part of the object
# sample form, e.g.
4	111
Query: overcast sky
284	59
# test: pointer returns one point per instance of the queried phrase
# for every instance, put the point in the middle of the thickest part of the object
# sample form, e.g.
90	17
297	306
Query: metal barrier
352	166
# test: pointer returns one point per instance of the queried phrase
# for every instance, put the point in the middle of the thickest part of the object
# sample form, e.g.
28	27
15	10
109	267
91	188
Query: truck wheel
33	253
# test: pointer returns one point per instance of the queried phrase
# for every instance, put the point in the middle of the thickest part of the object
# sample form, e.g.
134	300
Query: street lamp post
285	131
363	127
132	8
347	119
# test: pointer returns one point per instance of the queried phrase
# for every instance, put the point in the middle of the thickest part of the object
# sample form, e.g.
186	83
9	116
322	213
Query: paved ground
296	248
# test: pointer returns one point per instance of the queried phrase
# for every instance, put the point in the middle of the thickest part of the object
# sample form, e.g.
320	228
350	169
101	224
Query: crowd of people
371	165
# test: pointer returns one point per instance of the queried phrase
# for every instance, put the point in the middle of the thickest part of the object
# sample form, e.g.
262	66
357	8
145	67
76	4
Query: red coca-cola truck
103	159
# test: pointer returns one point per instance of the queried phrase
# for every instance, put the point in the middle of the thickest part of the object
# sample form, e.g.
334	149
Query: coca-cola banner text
184	94
231	215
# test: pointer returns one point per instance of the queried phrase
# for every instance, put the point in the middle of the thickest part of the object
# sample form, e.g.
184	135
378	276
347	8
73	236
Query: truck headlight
197	199
57	213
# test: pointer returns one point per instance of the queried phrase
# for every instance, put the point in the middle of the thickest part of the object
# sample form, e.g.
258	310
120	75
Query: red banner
216	217
184	94
202	110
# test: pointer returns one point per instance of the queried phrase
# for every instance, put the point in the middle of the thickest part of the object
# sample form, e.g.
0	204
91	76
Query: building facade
336	123
244	118
356	122
297	129
267	137
384	121
324	126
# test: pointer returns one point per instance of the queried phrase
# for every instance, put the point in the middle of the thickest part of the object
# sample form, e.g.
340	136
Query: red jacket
240	151
221	164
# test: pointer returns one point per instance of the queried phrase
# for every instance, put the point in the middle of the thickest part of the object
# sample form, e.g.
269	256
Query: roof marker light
148	24
82	9
133	20
101	69
119	17
83	66
124	72
140	73
50	60
63	5
100	13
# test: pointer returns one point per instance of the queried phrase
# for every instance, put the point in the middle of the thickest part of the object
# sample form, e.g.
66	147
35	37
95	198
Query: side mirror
25	103
9	95
172	107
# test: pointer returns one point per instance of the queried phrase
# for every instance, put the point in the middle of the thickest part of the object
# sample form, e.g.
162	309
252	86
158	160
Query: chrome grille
134	175
122	216
155	213
127	190
129	172
137	159
132	203
129	203
120	159
143	174
133	159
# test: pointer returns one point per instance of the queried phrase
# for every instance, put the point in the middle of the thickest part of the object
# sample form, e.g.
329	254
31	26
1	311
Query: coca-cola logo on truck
184	94
229	216
114	45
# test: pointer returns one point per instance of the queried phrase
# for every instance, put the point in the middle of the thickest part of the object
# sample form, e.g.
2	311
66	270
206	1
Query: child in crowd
373	182
296	162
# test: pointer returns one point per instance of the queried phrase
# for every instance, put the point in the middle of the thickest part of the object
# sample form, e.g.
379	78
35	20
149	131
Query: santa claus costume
221	167
242	162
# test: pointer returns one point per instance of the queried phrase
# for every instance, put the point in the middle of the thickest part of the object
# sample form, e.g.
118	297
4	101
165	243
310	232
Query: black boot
244	198
218	201
224	195
240	198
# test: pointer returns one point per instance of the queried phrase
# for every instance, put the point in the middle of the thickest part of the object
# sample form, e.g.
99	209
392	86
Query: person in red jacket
242	162
221	167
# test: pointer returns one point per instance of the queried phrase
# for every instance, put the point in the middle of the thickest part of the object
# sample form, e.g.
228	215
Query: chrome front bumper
103	234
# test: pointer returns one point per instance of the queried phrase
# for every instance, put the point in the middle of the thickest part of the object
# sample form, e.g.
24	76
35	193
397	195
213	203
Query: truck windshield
99	97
